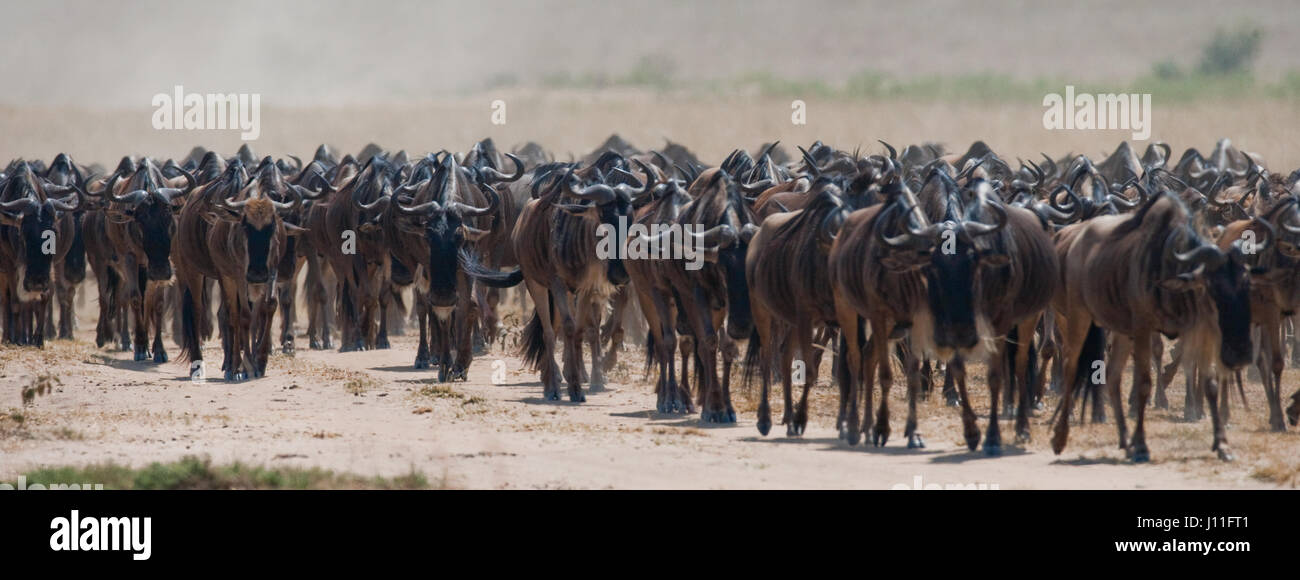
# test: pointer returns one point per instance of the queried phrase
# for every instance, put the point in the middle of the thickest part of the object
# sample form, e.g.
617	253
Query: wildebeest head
1225	277
258	222
148	208
722	211
33	215
607	204
950	255
443	220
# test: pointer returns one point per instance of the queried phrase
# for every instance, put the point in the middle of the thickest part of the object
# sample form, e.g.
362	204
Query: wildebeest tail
190	346
753	358
496	279
1094	349
533	340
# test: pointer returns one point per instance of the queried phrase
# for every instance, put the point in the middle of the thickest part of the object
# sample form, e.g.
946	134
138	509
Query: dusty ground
371	413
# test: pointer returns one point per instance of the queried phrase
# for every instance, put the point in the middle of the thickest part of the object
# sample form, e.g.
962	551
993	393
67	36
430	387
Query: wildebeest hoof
576	396
553	396
764	425
1293	411
421	363
314	344
160	356
1139	454
327	343
458	374
1225	454
141	355
235	377
348	348
1039	405
287	348
1022	437
879	435
951	399
915	442
596	387
1058	441
731	417
972	435
993	448
382	343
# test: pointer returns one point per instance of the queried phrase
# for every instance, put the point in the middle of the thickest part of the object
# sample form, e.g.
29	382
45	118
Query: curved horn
599	193
975	229
491	175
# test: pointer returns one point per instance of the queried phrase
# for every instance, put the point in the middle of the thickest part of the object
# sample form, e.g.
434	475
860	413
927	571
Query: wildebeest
1149	272
569	281
434	230
35	236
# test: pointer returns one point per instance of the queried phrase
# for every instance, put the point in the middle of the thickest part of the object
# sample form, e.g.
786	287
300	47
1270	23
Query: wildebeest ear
472	234
994	259
1288	249
904	262
575	209
293	230
1179	283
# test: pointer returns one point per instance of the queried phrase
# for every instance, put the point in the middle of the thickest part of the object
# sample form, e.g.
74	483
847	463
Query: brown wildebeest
141	223
35	236
234	233
901	273
569	280
1139	274
435	229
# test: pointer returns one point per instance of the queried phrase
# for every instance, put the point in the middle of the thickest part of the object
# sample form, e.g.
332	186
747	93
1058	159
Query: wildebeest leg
912	373
542	301
1270	367
141	321
786	345
840	369
263	319
466	319
1192	407
803	333
949	391
154	308
67	313
852	336
126	293
591	312
1158	346
1295	340
880	330
1121	347
970	427
1168	371
1073	333
1141	348
997	365
422	312
1212	393
763	339
1293	410
612	330
383	300
712	407
1024	394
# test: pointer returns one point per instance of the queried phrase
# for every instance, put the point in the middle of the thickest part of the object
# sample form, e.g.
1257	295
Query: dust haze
331	53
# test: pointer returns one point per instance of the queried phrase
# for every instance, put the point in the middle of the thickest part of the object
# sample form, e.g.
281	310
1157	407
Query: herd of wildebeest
923	259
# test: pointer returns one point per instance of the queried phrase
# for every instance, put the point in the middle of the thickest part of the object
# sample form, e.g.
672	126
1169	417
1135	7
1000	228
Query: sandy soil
371	413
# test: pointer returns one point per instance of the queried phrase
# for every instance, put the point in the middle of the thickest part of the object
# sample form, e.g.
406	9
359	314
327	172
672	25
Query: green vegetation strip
199	473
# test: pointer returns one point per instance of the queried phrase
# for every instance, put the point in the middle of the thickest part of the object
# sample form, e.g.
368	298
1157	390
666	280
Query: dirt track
370	413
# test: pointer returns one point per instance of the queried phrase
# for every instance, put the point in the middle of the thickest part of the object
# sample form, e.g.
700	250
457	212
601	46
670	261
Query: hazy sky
118	54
